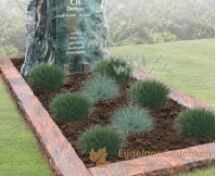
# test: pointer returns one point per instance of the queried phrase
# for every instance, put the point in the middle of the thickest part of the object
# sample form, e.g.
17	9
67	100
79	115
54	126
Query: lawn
19	152
200	172
188	65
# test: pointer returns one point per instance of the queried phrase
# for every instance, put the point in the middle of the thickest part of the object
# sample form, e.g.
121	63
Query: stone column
37	41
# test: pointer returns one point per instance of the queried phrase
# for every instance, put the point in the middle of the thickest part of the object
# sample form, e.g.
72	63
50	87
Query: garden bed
162	138
61	154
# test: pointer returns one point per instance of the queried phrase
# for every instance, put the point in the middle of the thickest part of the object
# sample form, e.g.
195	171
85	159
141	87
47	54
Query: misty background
137	21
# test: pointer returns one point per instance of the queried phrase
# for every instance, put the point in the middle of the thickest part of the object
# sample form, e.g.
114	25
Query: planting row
143	96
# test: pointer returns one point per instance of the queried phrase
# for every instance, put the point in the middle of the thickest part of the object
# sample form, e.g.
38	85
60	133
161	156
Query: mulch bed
163	137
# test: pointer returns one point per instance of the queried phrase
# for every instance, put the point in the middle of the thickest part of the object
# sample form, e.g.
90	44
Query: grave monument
66	32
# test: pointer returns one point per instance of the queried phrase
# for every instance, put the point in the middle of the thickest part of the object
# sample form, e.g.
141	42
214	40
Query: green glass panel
82	23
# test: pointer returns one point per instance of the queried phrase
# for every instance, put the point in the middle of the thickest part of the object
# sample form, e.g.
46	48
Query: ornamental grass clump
100	87
69	107
46	78
117	69
101	67
132	119
149	94
196	123
102	137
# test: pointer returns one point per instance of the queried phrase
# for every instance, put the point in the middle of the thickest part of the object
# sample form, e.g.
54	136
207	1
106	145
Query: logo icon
99	157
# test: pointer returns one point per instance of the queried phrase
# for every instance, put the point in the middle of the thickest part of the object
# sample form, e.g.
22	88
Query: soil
163	137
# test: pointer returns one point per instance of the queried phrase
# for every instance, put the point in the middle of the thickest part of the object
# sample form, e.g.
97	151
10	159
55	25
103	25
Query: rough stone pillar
37	41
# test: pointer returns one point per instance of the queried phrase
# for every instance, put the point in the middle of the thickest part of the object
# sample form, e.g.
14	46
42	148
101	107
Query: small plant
161	37
101	67
117	69
46	78
132	119
70	107
100	88
150	93
101	137
196	123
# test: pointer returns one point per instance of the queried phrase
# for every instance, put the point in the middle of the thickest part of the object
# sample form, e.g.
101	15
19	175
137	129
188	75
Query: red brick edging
160	164
64	158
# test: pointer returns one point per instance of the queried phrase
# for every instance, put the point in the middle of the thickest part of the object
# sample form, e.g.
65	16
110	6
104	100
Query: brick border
63	156
160	164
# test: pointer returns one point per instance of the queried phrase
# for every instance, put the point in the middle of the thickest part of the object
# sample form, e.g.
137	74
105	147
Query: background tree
138	20
12	26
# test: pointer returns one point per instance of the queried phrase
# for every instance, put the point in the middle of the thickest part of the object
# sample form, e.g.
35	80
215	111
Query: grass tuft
100	88
132	119
70	107
196	123
115	68
149	94
46	78
102	137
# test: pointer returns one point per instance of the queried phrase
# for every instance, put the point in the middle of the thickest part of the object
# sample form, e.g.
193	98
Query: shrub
161	37
46	78
117	69
167	37
102	137
155	38
150	93
132	119
100	88
102	67
70	107
196	123
8	49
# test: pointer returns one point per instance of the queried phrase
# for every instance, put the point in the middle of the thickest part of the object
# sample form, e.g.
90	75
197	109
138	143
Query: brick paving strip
62	155
160	164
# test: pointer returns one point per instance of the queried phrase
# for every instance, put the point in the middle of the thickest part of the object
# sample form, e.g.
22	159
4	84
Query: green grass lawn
200	172
19	152
187	65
